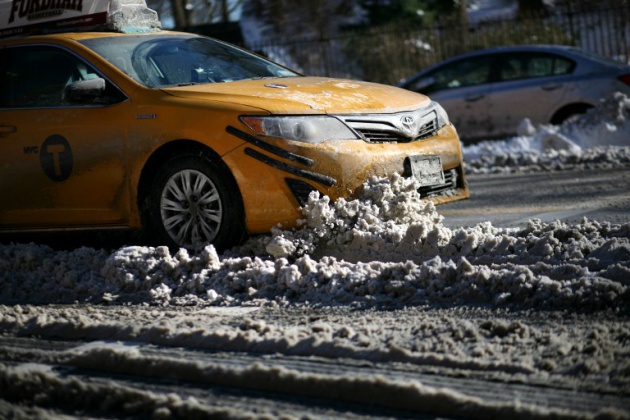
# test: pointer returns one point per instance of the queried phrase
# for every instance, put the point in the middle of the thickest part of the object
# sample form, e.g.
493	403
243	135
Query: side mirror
84	91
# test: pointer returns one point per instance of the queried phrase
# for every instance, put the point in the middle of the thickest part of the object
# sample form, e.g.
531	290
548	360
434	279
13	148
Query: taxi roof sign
27	17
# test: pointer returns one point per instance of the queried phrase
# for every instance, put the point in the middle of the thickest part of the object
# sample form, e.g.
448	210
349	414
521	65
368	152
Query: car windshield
178	60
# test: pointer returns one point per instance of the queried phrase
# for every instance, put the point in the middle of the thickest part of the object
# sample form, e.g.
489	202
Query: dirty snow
385	254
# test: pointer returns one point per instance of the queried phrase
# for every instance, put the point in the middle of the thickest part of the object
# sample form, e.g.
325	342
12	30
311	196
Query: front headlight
309	129
442	116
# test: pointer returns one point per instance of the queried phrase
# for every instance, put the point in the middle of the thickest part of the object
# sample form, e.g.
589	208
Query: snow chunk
132	16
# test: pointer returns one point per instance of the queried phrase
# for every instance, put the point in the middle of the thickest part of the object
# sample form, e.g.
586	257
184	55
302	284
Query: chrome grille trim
389	128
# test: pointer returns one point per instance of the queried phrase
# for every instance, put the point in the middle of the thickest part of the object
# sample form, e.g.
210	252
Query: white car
488	93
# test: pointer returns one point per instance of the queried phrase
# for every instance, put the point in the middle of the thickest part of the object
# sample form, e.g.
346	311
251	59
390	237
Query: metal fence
386	55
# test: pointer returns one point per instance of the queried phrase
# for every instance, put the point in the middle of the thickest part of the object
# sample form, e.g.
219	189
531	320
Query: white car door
529	85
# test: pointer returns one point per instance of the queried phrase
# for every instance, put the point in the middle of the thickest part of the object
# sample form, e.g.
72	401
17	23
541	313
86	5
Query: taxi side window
4	81
37	76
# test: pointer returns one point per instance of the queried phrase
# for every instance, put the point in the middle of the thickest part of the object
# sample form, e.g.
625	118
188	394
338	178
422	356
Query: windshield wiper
261	77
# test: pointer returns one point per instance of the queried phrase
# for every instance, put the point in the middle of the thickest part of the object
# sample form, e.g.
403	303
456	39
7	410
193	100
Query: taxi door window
35	77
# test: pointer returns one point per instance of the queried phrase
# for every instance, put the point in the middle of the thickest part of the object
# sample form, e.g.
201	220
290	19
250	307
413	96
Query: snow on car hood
307	95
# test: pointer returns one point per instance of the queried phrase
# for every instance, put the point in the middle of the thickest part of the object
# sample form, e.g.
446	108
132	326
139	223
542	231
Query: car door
462	87
529	85
62	159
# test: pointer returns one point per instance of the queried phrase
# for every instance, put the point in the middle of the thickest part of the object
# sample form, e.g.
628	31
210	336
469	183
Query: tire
569	113
193	202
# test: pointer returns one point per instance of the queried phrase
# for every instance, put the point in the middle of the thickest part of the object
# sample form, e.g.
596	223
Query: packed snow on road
378	279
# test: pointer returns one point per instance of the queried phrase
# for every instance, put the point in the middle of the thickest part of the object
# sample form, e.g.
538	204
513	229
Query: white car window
532	65
463	73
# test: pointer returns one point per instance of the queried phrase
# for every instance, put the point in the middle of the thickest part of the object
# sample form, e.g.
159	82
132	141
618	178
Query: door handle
7	129
551	86
474	98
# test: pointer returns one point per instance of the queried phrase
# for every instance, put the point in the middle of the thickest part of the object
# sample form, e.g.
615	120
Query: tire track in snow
398	387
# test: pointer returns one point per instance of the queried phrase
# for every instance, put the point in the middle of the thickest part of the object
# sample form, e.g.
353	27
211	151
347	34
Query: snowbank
598	139
357	252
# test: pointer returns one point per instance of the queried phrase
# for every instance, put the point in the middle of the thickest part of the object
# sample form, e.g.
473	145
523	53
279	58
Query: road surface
510	200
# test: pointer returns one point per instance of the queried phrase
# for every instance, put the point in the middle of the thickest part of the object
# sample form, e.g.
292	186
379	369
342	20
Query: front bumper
275	176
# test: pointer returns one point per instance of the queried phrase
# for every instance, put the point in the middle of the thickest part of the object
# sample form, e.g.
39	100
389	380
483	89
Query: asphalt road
510	200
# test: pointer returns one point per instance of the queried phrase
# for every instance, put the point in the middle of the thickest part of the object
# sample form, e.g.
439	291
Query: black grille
383	136
300	190
450	183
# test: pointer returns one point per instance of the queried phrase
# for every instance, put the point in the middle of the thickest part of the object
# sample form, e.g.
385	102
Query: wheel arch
167	151
568	110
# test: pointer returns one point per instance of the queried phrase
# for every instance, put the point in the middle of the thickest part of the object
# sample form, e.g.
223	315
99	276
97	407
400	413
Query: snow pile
606	124
389	222
388	247
598	139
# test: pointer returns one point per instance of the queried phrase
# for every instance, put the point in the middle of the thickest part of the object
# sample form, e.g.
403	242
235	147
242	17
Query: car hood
306	95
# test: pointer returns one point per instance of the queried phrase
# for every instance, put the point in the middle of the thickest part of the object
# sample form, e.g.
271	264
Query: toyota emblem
408	124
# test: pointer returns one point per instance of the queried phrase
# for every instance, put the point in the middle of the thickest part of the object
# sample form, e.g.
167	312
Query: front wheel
192	203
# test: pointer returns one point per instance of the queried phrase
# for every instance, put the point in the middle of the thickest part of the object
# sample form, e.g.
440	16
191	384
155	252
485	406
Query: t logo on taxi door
55	156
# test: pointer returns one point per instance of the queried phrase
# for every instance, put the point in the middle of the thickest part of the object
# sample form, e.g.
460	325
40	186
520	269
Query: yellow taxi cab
196	141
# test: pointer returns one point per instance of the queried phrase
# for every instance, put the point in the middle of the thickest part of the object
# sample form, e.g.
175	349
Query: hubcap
191	208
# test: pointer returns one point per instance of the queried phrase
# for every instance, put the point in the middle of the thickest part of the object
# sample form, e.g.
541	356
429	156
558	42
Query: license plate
427	170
